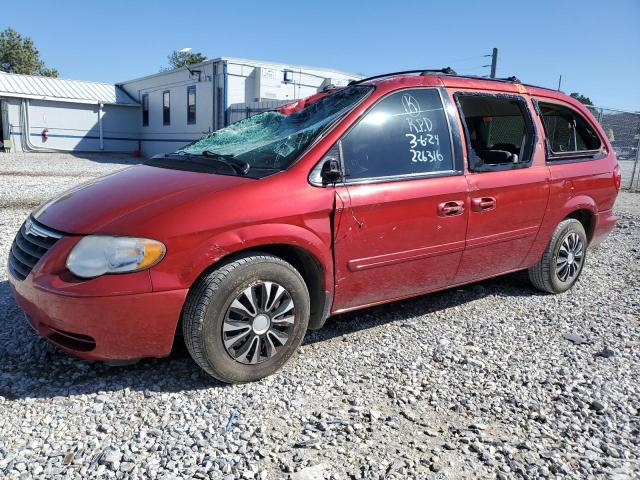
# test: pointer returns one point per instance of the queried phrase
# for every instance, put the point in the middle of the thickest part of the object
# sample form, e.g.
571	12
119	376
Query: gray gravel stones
574	338
473	382
606	353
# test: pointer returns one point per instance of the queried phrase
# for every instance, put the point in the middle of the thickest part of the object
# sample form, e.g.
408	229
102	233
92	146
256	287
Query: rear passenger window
499	129
404	134
567	131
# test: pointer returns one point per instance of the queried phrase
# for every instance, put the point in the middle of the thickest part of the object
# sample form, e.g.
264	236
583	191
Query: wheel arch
584	209
587	218
312	273
303	250
580	207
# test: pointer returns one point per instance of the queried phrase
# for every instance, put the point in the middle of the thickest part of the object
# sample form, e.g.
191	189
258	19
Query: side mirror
331	172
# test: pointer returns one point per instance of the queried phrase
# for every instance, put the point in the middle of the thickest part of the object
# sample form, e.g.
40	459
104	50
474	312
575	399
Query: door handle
483	204
451	208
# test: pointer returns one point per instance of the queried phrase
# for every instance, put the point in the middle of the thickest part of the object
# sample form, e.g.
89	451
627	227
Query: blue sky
595	45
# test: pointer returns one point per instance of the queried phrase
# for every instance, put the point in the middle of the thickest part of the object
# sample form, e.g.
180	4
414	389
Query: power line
492	66
474	68
450	62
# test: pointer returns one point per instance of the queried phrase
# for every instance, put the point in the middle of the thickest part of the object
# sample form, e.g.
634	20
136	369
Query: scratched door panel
499	239
391	242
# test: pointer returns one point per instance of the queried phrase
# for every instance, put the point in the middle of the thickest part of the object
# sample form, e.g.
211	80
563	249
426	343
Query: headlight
96	255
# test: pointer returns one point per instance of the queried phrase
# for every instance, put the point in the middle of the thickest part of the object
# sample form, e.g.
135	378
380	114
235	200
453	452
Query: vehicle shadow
32	368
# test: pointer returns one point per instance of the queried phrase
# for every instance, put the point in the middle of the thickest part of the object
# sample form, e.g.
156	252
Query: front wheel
245	319
563	260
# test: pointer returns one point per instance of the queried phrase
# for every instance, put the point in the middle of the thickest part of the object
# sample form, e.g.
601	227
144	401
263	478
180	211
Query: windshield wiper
238	165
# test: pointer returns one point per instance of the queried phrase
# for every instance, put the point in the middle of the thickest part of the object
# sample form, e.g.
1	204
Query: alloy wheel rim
569	258
258	323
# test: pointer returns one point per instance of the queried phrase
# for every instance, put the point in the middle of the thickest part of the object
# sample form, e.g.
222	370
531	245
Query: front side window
404	134
166	108
145	110
499	129
567	131
274	139
191	105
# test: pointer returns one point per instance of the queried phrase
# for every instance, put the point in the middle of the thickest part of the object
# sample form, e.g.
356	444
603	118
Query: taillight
617	177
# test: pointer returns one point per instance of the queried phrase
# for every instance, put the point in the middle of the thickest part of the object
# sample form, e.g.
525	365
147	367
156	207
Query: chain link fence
623	130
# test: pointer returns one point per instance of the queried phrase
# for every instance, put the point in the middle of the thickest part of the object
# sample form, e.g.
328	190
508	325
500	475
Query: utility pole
494	62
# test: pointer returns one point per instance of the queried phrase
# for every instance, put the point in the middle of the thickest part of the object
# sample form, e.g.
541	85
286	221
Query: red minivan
391	187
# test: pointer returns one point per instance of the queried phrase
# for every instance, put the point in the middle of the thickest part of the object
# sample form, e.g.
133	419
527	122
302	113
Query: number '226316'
426	156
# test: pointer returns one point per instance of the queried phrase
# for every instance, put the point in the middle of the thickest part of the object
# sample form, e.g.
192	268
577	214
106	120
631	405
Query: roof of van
452	80
437	79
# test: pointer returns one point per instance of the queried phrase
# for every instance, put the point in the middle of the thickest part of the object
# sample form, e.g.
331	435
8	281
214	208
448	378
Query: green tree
48	72
18	54
581	98
180	59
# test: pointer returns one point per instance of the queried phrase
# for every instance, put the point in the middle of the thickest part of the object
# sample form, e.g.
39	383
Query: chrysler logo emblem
28	227
33	230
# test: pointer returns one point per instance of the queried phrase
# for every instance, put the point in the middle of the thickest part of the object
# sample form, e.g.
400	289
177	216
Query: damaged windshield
273	140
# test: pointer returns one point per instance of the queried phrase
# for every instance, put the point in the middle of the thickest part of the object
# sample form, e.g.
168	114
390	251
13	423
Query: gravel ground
493	380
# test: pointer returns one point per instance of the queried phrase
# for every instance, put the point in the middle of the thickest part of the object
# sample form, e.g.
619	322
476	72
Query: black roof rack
443	71
512	78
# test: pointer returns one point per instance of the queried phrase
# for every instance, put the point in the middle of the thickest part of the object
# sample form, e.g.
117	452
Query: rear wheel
245	319
563	260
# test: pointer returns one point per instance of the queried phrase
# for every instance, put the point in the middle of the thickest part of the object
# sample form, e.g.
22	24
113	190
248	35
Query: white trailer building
181	105
152	114
40	113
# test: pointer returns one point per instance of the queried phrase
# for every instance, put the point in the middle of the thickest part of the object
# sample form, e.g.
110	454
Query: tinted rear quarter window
404	134
567	131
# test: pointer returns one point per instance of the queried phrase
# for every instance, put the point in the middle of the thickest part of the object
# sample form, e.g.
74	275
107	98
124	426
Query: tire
548	274
208	310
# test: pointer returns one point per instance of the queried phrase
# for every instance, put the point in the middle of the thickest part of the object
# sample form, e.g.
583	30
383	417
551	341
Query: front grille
31	243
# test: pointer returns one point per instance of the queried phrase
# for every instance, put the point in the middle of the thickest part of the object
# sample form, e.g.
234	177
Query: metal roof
46	88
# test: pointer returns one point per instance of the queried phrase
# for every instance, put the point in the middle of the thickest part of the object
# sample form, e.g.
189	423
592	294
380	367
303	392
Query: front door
508	183
402	212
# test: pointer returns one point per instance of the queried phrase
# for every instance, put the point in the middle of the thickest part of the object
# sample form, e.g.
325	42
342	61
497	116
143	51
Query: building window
166	108
145	110
191	105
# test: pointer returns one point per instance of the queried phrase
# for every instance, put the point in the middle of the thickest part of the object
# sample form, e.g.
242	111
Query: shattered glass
274	140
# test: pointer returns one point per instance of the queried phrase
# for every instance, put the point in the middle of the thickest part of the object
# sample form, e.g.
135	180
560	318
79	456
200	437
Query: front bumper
108	327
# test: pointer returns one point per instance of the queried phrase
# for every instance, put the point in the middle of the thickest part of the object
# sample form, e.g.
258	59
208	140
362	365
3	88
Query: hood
92	206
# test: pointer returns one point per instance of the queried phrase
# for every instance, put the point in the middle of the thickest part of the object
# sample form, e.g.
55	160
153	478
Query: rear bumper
605	222
116	327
